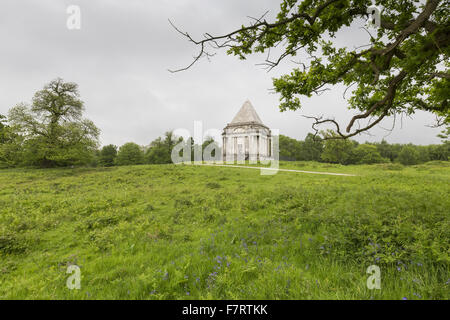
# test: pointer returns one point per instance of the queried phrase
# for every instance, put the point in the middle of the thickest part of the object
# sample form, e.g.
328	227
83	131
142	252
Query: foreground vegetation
181	232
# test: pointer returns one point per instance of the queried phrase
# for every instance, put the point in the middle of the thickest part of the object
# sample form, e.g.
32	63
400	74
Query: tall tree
403	68
209	148
312	148
337	150
108	155
3	129
130	154
409	155
10	145
291	149
160	150
54	131
366	154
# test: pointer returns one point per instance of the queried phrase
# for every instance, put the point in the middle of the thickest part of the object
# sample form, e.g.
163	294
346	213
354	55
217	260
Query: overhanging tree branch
388	74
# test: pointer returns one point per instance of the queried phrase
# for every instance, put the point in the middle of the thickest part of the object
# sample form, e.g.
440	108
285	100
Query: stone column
257	147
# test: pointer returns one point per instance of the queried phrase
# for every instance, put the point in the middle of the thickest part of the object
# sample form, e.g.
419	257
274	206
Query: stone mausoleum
246	137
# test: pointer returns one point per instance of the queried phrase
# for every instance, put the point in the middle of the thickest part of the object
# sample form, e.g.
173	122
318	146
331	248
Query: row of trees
351	152
311	149
51	132
159	151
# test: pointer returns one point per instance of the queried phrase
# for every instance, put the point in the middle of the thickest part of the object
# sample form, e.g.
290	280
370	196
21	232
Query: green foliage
3	129
439	152
10	145
107	156
409	155
51	132
350	152
337	150
209	149
130	153
290	149
312	148
389	151
308	150
367	154
160	150
445	134
202	232
403	68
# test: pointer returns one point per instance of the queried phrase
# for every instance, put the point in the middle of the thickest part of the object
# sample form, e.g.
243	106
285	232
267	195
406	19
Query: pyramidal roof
246	114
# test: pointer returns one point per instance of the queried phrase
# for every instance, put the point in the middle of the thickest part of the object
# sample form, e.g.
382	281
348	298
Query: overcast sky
120	58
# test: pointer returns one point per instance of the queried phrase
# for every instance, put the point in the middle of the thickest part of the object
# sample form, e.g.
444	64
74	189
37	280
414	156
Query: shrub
130	153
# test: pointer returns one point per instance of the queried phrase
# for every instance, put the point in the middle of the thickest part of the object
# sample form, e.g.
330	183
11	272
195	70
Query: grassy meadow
202	232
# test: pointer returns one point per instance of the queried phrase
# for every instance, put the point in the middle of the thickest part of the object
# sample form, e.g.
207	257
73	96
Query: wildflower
188	293
404	298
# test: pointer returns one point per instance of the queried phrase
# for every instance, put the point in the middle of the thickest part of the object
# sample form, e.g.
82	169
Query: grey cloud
120	59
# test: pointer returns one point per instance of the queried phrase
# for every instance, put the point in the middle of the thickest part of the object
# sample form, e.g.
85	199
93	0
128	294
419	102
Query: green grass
200	232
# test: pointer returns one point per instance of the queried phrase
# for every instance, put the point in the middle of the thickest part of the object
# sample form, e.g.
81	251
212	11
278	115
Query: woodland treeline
52	132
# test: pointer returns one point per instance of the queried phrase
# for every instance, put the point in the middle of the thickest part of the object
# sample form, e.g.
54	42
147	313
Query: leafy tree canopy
129	154
108	155
53	130
160	150
408	155
367	154
403	67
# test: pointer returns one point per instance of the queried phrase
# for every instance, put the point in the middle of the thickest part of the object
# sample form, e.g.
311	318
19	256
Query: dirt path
286	170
